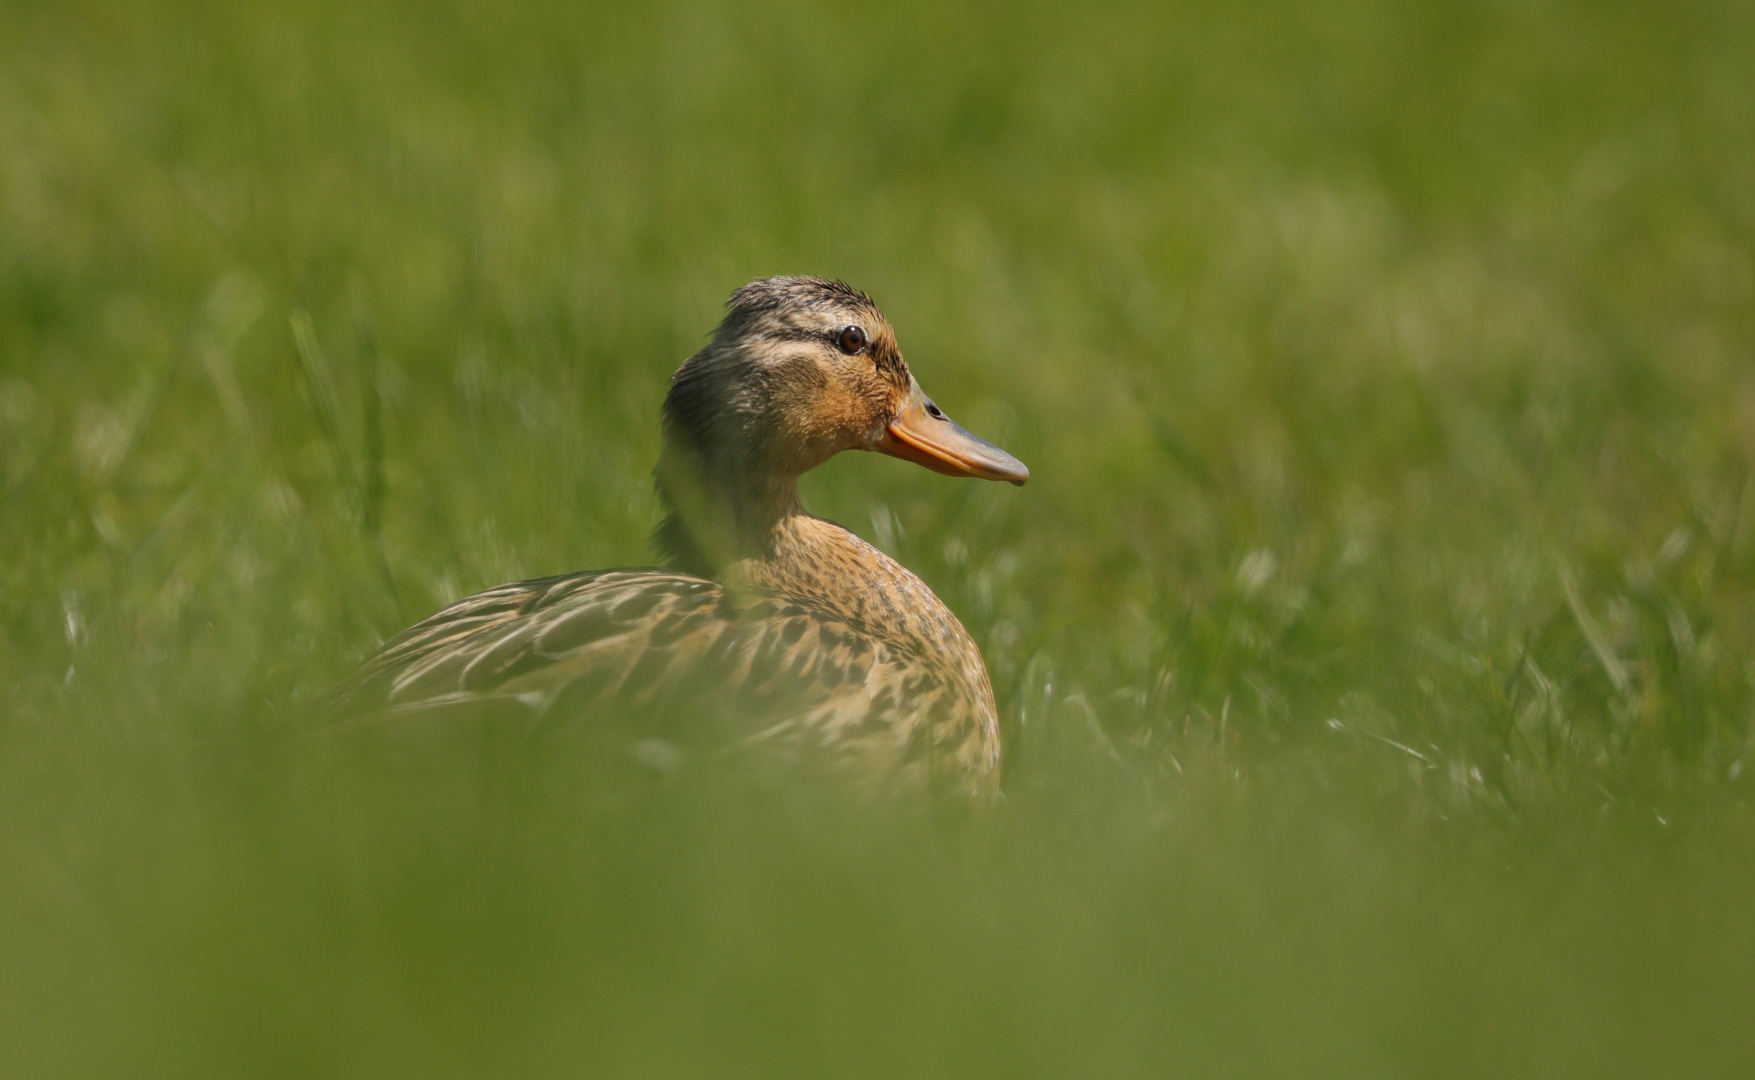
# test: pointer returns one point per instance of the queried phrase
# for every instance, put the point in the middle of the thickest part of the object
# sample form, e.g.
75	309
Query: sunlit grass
1373	639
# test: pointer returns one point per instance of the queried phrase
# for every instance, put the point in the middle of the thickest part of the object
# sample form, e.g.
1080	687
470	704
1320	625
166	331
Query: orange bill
923	434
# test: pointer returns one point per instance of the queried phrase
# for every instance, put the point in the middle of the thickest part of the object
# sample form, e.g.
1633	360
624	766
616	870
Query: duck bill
923	434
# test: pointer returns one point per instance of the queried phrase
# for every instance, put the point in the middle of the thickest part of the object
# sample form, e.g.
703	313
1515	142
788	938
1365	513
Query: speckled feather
860	679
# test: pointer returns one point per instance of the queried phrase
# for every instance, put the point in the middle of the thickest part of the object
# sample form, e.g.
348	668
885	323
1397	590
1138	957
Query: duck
766	625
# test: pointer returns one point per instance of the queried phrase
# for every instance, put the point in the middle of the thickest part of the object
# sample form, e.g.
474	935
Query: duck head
799	370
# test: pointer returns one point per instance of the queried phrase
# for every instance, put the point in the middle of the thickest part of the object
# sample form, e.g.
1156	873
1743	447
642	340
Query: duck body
880	677
768	627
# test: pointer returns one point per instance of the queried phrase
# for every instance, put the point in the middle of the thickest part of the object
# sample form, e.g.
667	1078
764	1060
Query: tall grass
1374	639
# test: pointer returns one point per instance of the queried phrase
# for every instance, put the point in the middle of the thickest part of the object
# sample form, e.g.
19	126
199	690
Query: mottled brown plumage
769	626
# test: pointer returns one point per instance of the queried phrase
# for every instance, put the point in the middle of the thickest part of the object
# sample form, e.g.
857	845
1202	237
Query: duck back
857	676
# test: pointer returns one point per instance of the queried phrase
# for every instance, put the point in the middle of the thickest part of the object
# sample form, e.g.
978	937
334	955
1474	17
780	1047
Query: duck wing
687	658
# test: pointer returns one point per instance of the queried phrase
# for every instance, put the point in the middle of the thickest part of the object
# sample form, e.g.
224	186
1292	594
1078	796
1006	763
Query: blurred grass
1375	639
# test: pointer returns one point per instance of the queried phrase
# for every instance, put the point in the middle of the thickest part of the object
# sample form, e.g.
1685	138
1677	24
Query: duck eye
851	340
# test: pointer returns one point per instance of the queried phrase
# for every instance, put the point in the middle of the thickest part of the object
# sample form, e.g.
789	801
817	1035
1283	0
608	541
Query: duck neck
746	529
718	518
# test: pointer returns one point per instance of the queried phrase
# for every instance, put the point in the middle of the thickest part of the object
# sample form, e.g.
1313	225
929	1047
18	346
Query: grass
1374	639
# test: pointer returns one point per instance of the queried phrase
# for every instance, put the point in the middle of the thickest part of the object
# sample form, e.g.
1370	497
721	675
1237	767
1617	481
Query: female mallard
783	625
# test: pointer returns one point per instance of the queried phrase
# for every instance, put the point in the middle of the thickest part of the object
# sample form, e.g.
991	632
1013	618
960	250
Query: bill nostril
934	411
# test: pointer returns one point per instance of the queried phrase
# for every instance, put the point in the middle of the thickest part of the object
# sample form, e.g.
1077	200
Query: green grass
1375	639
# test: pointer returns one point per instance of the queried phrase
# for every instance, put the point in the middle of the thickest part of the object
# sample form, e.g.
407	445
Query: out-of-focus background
1374	639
